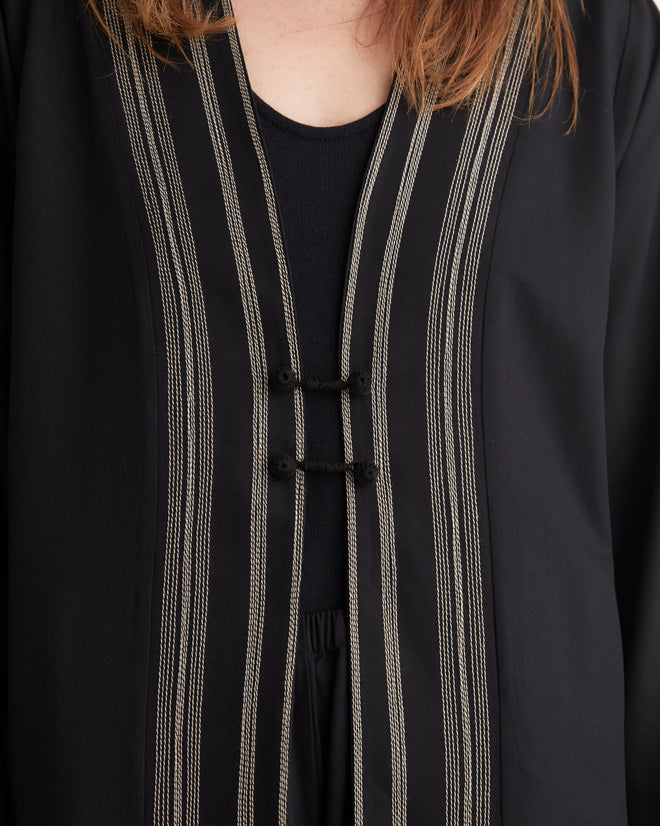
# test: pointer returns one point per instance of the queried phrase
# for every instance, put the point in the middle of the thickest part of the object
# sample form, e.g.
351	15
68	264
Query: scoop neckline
309	130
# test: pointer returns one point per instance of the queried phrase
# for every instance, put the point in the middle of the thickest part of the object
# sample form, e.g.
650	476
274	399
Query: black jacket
502	471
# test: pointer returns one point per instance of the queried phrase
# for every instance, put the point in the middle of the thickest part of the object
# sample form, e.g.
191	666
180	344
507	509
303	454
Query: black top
316	174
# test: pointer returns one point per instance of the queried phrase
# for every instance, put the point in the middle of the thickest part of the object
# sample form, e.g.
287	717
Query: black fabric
320	765
317	172
504	631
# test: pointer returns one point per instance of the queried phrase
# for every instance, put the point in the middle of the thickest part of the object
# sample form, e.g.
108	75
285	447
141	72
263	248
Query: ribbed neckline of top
323	132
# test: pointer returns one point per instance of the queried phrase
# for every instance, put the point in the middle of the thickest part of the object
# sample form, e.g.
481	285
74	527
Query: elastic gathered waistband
322	631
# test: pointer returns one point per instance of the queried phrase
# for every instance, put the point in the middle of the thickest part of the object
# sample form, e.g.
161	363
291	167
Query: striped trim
190	434
351	513
382	458
449	400
294	360
258	369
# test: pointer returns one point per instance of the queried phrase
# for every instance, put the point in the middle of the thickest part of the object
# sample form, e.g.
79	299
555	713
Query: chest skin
317	65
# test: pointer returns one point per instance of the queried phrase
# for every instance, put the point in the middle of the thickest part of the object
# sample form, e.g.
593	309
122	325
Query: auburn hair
455	44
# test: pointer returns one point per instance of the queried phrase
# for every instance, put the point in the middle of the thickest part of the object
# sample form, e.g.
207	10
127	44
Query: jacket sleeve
7	122
632	398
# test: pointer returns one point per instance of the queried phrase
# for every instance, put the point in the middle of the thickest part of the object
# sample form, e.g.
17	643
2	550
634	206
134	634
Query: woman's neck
316	63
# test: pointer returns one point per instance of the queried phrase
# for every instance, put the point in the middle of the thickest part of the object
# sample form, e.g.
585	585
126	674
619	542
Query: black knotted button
282	465
364	473
285	379
359	383
282	378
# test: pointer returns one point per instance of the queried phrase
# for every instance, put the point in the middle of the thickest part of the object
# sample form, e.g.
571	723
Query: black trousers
320	761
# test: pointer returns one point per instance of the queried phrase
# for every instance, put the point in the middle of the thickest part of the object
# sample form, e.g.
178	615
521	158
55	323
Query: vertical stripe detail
294	360
462	649
345	356
190	434
382	458
258	369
